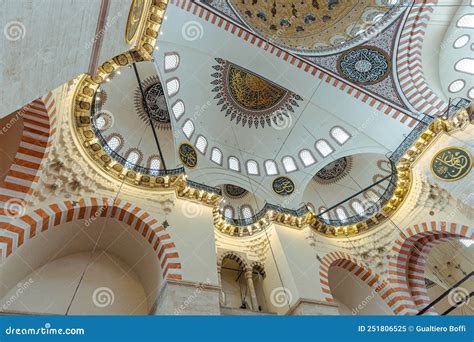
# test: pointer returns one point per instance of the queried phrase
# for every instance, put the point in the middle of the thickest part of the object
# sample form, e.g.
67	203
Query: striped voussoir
215	18
409	60
408	261
29	225
39	127
352	265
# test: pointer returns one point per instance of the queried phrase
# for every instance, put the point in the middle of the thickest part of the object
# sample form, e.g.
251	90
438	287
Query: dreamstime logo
14	207
282	122
191	209
14	30
192	30
96	215
281	297
458	297
22	287
102	297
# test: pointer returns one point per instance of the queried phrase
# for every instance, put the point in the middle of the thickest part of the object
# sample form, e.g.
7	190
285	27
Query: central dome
312	26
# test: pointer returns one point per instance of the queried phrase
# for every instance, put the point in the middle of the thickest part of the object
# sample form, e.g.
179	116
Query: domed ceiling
122	125
249	98
312	26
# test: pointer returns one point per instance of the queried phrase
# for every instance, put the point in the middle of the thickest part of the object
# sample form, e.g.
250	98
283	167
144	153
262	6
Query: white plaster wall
434	42
113	236
192	229
50	43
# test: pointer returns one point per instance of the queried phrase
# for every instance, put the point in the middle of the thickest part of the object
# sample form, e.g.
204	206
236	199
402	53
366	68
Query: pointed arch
233	256
408	261
26	227
39	120
357	268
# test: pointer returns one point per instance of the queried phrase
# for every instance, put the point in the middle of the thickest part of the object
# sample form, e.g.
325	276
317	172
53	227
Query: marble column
251	288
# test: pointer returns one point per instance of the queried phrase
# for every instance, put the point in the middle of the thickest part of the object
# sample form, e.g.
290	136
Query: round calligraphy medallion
188	155
283	186
451	164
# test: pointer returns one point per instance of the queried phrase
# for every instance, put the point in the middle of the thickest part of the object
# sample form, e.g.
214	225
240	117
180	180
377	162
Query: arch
134	157
411	79
323	147
340	135
246	211
26	227
363	272
233	256
259	267
39	120
118	145
228	212
408	260
271	168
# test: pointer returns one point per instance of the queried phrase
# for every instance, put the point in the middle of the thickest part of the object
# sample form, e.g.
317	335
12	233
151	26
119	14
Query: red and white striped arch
409	60
352	265
26	227
408	261
39	127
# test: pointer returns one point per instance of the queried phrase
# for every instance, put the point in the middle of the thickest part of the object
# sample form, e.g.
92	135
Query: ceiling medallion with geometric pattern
364	65
155	99
334	172
234	191
250	99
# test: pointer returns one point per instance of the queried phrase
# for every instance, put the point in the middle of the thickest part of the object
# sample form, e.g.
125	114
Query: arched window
114	142
154	164
234	164
289	164
228	212
271	168
324	148
341	213
188	129
172	86
372	195
325	215
178	109
307	158
357	206
171	62
246	212
252	167
201	144
378	178
216	156
134	157
100	122
340	135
